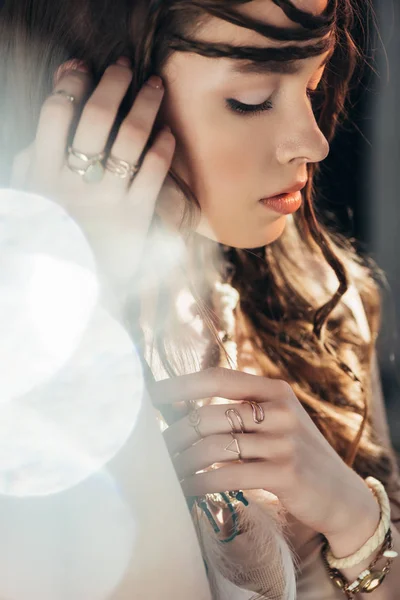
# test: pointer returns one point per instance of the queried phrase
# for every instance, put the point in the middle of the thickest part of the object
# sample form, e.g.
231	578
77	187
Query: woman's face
232	160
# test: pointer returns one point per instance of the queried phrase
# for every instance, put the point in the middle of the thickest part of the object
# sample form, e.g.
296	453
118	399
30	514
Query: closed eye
246	109
253	109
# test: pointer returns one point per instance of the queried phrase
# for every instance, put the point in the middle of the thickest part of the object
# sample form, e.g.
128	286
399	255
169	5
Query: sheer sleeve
380	424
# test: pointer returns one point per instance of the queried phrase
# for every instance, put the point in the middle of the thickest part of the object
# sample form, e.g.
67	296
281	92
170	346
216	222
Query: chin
242	238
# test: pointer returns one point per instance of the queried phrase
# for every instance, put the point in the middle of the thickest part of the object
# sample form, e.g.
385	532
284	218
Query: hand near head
115	212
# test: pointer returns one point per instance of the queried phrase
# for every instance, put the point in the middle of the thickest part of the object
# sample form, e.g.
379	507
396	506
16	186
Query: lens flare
72	383
48	290
68	428
73	545
45	305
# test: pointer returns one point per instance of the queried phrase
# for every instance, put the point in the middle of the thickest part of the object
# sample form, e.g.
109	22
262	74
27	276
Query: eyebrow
273	66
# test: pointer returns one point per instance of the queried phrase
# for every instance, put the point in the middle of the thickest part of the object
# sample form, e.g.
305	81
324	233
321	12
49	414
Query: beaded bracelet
369	580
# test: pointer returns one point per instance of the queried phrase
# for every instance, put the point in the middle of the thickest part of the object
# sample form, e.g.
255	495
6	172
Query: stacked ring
121	168
94	170
87	158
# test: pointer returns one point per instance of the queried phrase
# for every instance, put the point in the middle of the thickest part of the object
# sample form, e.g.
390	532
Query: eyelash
254	109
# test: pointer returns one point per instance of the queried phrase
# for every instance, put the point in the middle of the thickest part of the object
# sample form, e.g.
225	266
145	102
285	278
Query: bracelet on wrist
369	579
375	540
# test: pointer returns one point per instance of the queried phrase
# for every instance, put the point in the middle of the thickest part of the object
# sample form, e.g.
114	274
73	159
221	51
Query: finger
219	382
147	185
213	420
136	128
246	476
101	109
20	167
56	117
224	448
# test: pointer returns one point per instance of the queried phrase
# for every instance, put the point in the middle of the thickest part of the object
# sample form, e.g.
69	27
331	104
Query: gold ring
235	445
121	168
258	411
231	423
64	94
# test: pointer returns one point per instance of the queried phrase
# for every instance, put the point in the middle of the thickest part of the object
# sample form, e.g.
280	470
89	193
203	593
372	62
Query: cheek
227	166
222	167
227	181
224	160
217	153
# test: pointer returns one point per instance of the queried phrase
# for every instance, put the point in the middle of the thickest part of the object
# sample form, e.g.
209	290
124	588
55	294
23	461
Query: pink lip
284	203
287	201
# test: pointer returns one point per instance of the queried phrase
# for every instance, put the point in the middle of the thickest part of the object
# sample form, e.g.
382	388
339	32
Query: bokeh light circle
75	545
48	290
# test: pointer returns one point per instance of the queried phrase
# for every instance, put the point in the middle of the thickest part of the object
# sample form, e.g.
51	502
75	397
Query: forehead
218	30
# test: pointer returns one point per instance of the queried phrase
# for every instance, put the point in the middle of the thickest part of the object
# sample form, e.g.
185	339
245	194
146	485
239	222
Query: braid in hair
316	26
250	53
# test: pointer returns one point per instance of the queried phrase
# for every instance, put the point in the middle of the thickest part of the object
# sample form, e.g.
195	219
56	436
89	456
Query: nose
301	139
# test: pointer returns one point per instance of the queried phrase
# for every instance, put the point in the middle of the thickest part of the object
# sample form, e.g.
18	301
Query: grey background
382	227
361	181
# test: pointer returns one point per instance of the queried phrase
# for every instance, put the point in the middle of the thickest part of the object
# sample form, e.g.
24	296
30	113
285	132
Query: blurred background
361	180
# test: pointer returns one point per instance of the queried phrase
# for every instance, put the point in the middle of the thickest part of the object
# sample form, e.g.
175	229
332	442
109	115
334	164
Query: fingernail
124	61
70	65
155	82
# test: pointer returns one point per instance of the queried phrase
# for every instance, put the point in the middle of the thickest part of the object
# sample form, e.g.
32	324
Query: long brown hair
291	308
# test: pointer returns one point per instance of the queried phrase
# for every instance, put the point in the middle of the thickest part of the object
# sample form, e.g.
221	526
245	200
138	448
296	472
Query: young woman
260	335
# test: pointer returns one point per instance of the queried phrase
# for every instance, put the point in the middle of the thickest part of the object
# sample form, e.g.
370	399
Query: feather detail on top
260	559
